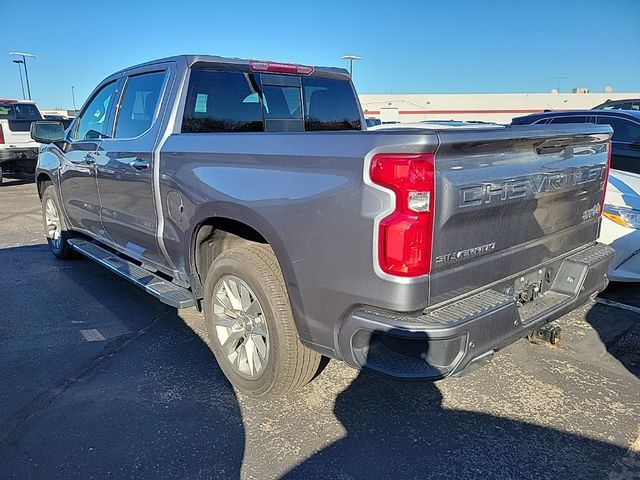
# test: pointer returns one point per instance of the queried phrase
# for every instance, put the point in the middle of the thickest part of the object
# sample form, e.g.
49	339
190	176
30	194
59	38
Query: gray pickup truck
252	191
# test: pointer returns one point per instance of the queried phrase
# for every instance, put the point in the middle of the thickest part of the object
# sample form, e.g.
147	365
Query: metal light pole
351	58
558	78
26	73
73	97
19	62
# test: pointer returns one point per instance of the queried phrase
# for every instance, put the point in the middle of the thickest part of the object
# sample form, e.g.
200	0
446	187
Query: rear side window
567	120
220	101
139	104
623	130
622	106
19	111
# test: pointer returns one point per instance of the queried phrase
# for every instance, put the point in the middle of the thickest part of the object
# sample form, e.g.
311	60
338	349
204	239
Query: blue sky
407	46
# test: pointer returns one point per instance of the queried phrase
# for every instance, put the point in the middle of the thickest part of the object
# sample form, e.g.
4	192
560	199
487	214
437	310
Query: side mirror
47	132
94	135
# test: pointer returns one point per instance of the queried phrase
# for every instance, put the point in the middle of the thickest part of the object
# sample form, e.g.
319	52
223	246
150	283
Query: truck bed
324	236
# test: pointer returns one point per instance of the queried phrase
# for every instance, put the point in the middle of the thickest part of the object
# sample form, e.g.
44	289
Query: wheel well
215	236
43	181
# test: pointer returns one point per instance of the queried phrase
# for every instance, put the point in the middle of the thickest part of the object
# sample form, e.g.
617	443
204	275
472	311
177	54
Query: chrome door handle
139	164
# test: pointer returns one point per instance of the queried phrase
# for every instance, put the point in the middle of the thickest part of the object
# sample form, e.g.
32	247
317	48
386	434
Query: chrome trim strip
148	287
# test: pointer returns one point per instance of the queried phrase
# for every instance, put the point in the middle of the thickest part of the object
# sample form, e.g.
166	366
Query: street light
558	78
19	62
24	60
351	58
73	97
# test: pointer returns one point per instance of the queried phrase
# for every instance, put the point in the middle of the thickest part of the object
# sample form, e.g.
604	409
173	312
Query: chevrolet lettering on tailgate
530	186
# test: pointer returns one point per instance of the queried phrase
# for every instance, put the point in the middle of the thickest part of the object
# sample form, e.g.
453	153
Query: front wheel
250	324
54	226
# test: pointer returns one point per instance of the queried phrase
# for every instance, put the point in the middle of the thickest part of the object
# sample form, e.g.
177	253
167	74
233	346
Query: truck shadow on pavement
622	336
150	402
145	399
402	430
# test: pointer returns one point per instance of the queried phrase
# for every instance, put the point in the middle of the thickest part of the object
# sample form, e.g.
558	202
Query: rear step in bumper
164	290
26	153
466	332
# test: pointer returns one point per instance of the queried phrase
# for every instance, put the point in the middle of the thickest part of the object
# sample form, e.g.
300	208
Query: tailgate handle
553	145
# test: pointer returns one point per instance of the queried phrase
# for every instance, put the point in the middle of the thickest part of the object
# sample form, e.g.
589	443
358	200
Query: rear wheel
54	226
251	328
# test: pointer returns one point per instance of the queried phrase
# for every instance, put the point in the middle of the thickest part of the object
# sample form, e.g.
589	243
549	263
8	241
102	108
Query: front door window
93	121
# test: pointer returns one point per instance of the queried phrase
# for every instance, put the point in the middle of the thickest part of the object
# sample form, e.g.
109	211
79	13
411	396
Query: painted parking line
92	335
624	306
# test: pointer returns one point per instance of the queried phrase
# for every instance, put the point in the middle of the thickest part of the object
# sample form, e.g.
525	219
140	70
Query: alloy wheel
240	326
53	225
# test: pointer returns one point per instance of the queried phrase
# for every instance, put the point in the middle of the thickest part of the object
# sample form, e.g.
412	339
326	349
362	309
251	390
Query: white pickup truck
18	152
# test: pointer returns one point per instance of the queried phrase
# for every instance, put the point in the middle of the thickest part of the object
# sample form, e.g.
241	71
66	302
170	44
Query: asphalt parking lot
100	380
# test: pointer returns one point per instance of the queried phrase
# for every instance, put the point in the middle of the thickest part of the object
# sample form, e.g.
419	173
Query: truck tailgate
17	132
508	200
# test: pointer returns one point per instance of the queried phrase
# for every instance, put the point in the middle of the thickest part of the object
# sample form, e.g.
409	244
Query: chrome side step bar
160	288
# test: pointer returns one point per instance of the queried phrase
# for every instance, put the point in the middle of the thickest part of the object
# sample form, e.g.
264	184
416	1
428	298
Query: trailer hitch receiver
549	333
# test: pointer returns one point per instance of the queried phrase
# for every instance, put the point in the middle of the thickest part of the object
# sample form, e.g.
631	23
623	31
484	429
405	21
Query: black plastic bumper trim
485	322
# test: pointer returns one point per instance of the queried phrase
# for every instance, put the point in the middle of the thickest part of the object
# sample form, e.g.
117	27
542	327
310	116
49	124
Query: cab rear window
223	101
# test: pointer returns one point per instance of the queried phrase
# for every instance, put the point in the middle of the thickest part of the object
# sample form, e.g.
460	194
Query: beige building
494	107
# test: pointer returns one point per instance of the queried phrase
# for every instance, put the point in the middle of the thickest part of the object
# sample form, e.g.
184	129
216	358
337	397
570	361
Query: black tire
60	249
289	364
1	178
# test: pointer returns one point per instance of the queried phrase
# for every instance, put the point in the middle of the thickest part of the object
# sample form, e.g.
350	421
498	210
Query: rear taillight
606	177
405	237
1	135
273	67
